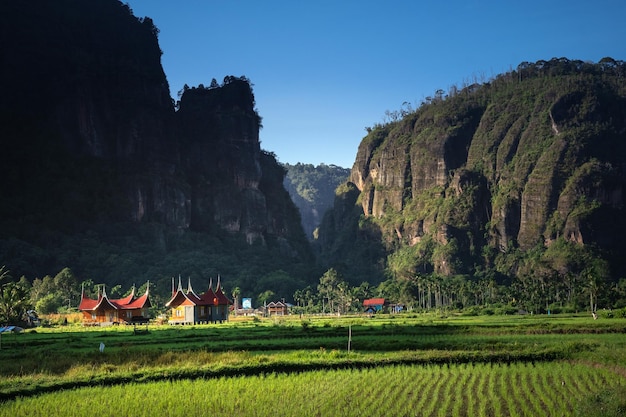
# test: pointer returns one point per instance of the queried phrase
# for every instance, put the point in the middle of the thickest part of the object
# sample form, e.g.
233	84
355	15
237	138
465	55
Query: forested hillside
510	191
312	189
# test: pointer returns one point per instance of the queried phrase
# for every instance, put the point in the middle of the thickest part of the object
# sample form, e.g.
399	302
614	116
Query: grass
401	390
51	362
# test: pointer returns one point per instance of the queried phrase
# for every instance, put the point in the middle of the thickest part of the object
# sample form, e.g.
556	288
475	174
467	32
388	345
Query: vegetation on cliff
509	191
312	189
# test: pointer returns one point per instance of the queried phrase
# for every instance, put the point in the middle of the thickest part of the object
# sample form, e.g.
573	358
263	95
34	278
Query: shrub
606	314
505	310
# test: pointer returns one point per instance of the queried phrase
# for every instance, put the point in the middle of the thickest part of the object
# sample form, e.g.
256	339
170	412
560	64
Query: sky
322	71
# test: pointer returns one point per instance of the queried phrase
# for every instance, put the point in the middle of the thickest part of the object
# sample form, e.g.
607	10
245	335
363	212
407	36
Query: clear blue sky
324	70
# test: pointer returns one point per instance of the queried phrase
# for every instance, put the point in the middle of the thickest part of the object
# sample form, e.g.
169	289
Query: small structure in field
187	307
374	305
104	311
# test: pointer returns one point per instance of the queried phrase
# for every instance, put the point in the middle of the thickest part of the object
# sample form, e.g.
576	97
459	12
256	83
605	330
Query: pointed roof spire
219	293
180	284
211	283
189	289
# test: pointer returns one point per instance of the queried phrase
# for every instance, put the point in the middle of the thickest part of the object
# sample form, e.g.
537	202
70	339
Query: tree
48	304
328	287
265	295
66	285
594	277
14	297
49	294
305	298
236	293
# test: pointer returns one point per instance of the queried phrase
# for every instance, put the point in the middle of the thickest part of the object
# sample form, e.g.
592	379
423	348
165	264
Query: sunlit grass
432	390
64	358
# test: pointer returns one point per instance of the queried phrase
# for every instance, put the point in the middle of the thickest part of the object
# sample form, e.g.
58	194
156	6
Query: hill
105	174
517	182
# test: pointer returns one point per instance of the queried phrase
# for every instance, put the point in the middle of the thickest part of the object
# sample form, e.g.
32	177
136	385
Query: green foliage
13	298
312	189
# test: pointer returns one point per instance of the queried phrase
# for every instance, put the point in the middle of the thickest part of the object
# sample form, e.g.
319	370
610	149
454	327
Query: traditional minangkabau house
187	307
103	310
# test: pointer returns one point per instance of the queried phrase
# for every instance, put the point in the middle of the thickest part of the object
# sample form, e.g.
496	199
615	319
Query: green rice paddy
401	366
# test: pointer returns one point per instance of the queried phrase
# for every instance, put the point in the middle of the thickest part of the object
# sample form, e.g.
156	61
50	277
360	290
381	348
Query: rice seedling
398	390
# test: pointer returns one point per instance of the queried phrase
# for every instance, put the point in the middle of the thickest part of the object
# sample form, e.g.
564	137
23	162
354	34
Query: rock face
91	136
536	155
312	189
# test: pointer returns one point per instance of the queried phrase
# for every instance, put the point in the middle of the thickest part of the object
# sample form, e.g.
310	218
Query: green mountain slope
519	180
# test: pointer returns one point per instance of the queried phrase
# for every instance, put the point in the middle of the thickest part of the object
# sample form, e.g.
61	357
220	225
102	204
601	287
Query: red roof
209	298
222	299
374	302
140	302
87	303
127	303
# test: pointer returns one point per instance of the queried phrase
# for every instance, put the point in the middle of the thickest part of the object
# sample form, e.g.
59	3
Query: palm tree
264	296
236	293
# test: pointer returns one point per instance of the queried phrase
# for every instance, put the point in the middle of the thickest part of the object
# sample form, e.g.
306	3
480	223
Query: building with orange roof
104	310
374	305
187	307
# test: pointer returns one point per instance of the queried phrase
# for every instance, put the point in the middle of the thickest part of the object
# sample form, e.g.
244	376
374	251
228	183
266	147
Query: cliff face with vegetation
103	175
519	177
312	189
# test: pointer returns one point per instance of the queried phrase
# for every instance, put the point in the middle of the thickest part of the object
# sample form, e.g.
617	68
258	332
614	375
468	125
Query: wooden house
187	307
277	308
104	310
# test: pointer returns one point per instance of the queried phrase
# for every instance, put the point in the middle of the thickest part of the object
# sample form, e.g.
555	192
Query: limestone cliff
93	144
535	155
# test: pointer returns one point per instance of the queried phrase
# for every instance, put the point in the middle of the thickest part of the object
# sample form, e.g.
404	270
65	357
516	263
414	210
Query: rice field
403	366
517	389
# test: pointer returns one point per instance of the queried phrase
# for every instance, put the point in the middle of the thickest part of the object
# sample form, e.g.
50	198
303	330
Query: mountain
104	173
519	180
312	189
